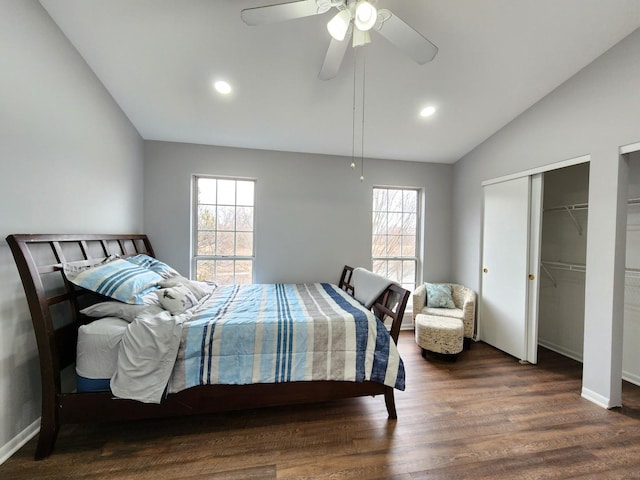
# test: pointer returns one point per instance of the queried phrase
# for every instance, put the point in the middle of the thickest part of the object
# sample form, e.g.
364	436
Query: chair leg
466	343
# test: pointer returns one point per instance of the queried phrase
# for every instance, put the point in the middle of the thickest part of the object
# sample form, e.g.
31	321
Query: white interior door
505	257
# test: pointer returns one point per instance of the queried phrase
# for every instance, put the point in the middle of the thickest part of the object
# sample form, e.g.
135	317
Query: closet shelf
583	206
577	267
570	209
632	272
572	267
564	208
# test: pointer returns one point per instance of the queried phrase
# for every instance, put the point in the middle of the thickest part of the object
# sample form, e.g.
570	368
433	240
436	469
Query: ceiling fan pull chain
364	72
353	114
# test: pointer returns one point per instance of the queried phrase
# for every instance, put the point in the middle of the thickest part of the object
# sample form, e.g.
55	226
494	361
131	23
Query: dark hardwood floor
484	416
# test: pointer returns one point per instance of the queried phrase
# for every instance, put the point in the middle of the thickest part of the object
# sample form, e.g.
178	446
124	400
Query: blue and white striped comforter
283	333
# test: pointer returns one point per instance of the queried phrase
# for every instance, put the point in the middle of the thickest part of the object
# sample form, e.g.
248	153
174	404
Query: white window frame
417	258
194	226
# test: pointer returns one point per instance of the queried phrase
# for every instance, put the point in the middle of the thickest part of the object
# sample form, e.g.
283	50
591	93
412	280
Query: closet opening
631	327
563	253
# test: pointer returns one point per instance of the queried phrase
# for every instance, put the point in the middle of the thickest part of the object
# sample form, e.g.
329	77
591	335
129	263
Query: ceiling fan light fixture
339	25
365	16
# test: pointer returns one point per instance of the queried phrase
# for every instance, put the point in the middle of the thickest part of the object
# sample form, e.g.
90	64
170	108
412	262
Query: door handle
485	270
531	276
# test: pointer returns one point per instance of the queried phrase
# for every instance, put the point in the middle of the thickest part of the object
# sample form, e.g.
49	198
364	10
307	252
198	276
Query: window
223	234
394	245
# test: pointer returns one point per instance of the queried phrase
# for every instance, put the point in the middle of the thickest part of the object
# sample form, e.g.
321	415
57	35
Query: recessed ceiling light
428	111
222	87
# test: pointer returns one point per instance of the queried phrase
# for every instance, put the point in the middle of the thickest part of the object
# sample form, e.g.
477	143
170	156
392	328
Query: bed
56	303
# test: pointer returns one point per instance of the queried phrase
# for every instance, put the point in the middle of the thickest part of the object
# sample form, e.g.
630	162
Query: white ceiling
496	58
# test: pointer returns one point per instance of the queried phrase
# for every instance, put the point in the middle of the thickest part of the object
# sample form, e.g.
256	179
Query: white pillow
176	299
199	289
121	310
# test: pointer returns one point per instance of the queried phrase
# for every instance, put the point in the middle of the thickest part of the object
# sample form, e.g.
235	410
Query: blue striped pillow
117	279
153	264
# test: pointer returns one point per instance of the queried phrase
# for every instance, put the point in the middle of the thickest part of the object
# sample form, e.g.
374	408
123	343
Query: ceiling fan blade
404	37
334	57
280	12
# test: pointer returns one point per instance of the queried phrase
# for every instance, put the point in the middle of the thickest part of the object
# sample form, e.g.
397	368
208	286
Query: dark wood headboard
53	301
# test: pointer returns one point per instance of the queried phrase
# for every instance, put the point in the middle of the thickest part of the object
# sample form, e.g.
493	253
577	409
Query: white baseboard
407	319
577	356
628	376
631	377
586	393
16	443
596	398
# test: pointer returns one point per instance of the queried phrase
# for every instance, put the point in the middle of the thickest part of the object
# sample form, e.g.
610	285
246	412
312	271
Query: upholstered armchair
464	301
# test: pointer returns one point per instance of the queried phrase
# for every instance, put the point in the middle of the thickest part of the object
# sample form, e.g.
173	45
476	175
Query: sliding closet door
506	277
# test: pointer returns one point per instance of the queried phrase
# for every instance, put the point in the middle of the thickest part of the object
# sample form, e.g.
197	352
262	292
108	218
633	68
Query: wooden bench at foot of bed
54	304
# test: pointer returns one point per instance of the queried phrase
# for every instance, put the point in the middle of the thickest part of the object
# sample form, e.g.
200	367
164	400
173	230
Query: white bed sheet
98	345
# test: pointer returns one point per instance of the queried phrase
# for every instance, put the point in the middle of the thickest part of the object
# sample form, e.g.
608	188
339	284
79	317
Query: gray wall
71	162
594	113
313	215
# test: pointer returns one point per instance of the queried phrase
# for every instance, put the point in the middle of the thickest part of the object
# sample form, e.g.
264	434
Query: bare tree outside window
224	241
395	234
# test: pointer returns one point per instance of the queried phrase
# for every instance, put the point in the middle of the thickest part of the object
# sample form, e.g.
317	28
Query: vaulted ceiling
159	58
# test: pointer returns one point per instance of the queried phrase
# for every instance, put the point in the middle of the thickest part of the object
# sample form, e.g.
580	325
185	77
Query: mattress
97	353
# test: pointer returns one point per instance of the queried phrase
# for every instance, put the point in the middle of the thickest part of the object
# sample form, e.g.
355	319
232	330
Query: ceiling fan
355	18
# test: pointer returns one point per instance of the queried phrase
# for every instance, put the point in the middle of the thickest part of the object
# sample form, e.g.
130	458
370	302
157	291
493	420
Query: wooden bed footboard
54	304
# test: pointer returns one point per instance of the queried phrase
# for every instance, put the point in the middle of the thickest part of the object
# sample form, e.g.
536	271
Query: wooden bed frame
54	304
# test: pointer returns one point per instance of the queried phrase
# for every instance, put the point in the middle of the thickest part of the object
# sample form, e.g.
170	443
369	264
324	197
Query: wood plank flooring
484	416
